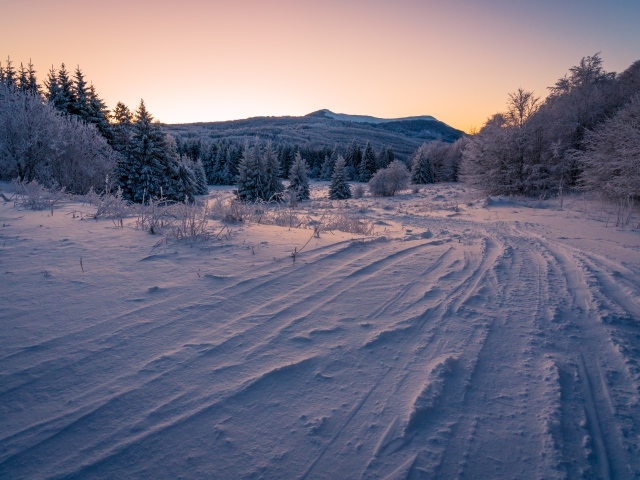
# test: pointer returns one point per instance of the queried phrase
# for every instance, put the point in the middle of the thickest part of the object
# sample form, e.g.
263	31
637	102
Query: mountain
325	128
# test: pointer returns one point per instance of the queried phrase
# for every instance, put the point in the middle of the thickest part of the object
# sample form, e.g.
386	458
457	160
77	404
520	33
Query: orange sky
198	60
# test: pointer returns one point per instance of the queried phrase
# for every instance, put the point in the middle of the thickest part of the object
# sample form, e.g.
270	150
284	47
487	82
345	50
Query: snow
368	119
468	337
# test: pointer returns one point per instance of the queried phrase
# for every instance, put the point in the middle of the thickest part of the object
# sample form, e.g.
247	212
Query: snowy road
492	349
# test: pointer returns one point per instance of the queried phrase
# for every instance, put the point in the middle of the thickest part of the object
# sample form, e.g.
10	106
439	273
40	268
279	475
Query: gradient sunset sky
197	60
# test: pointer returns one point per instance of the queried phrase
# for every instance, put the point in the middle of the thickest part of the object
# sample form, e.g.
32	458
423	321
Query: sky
199	60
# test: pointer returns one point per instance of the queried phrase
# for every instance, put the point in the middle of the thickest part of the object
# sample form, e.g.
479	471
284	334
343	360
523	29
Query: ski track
510	355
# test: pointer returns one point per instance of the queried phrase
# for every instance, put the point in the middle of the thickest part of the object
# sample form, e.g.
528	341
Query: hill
325	128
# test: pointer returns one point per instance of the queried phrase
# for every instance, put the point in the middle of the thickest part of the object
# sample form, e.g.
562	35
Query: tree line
61	134
585	134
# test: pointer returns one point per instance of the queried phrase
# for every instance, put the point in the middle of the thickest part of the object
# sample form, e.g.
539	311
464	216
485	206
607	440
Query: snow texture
466	339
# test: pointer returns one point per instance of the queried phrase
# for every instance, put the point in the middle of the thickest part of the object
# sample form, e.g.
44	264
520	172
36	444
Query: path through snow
502	343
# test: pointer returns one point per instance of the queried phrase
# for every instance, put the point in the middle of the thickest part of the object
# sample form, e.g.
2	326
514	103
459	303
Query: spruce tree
9	74
272	187
152	169
386	157
250	174
51	83
65	98
33	87
353	159
298	179
339	188
80	103
98	114
200	177
421	169
23	79
367	164
122	128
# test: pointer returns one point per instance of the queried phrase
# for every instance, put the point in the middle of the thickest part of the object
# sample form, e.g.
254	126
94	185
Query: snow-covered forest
176	307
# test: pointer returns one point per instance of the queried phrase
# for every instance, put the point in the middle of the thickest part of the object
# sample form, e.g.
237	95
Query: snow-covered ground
466	338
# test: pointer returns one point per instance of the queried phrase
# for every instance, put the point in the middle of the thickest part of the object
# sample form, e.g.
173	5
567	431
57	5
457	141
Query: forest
584	135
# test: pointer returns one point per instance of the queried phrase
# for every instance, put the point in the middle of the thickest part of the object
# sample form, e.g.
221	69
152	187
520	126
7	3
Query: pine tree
367	164
298	179
9	74
65	98
98	114
51	83
421	169
250	174
23	79
231	165
339	188
200	177
80	102
33	87
122	128
273	186
152	169
353	159
386	157
327	167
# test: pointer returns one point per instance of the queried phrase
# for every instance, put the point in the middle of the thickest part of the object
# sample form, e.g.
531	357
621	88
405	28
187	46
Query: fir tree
23	79
250	174
200	177
272	187
80	102
122	128
9	74
186	186
386	157
64	99
327	167
367	164
33	87
98	114
339	188
231	165
421	169
298	179
51	83
353	159
152	169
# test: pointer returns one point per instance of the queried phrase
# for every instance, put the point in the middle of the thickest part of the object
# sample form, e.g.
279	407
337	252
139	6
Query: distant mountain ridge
364	118
324	128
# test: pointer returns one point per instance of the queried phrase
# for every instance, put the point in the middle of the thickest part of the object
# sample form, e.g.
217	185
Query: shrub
388	181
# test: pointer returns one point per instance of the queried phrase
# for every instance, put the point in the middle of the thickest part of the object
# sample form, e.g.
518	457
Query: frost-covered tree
80	104
353	158
339	188
39	143
250	183
63	97
611	158
200	177
298	179
385	157
9	78
152	169
272	185
421	170
327	167
389	181
368	164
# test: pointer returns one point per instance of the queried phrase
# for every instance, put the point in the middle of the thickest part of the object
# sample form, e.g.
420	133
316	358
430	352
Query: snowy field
465	338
